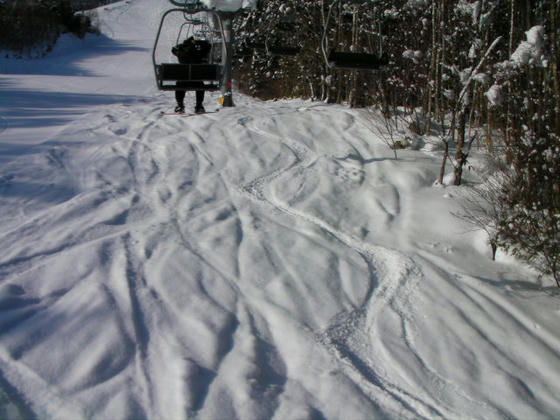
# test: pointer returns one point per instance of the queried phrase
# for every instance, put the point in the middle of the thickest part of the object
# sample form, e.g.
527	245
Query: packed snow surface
271	260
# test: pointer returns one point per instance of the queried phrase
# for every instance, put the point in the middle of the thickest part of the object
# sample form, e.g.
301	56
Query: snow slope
270	260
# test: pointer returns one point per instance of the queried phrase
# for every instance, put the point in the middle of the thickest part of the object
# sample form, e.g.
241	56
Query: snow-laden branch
475	71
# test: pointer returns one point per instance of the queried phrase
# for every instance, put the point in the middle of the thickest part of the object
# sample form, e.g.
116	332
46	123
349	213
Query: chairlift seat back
283	50
351	60
189	76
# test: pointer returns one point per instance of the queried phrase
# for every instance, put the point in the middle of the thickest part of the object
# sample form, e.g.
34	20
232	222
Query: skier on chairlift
191	51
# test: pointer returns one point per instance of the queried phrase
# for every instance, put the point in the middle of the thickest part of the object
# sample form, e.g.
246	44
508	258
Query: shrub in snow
482	208
529	221
520	206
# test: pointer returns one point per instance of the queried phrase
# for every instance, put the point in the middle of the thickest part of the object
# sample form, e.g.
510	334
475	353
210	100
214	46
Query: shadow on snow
65	61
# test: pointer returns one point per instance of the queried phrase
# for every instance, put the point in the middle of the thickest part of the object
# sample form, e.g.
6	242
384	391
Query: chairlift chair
176	76
285	26
275	46
277	50
355	61
214	76
189	6
190	23
348	59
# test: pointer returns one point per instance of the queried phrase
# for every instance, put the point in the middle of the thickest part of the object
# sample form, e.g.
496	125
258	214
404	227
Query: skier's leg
180	98
199	101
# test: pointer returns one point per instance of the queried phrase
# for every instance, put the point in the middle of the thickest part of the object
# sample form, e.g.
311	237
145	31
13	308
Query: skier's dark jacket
192	51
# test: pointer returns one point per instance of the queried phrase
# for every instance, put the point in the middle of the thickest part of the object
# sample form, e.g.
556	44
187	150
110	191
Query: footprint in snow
349	170
119	130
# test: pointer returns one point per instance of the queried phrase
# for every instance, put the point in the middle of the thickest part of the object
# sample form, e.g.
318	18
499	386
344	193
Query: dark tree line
482	72
35	25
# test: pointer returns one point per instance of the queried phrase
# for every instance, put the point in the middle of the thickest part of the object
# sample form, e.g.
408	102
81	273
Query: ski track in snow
395	291
166	227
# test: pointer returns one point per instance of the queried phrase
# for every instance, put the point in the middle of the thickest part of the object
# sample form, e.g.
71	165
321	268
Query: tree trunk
494	247
353	82
443	161
460	158
507	139
489	146
555	55
440	60
432	80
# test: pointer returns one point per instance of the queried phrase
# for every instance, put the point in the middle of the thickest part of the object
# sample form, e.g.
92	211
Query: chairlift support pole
226	19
